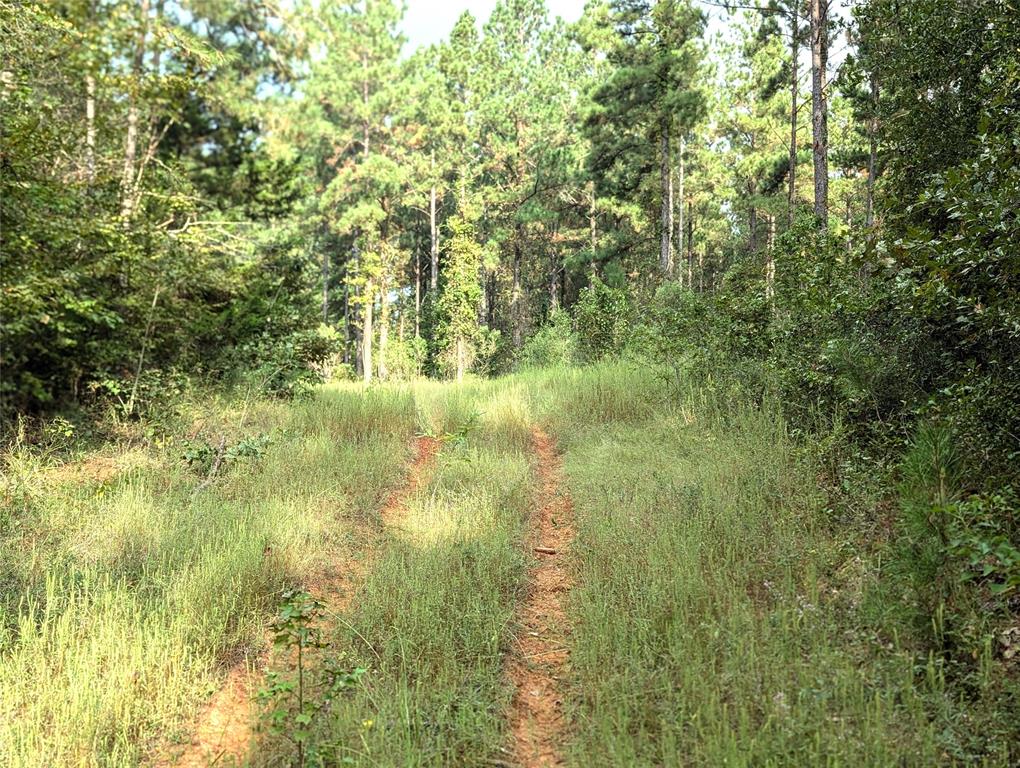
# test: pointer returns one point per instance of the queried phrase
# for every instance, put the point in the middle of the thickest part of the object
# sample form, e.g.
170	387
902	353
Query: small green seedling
293	701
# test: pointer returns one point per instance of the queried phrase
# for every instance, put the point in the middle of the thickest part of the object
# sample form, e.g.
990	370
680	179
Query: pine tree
352	92
461	293
651	98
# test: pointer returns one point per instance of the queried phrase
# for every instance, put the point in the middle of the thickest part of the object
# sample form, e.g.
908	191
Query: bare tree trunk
417	293
366	334
90	129
791	196
872	155
592	232
461	358
384	329
752	226
347	321
490	299
819	110
680	208
483	305
433	233
690	245
90	107
516	294
554	288
325	286
666	181
127	179
770	265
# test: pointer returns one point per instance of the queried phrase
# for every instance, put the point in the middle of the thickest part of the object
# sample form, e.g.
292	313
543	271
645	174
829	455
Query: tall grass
124	596
713	625
719	615
433	621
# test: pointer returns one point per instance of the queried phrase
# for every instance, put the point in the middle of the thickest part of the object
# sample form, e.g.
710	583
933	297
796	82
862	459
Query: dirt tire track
222	734
539	660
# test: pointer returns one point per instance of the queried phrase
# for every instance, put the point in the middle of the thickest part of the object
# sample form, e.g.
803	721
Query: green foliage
983	536
456	325
294	703
200	455
127	262
600	319
554	344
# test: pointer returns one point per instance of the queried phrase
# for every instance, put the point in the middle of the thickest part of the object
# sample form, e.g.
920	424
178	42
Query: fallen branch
546	551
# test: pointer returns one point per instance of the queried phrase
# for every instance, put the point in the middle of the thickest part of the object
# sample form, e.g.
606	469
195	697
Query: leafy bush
555	343
405	360
600	319
285	367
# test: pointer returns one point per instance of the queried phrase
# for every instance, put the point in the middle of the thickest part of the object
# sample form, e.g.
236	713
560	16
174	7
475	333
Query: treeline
266	192
190	188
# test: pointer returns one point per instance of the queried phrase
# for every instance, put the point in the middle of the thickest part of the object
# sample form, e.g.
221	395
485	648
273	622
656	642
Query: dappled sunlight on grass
121	596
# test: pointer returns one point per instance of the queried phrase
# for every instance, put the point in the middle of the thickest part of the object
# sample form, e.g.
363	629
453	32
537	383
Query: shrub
600	319
555	343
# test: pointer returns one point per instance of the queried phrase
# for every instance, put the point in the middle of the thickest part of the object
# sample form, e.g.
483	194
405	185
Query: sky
429	21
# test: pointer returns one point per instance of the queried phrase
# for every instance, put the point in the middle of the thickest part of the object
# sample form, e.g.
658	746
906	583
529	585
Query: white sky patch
429	21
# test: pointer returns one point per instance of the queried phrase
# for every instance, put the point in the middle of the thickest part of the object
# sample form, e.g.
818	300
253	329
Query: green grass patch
124	595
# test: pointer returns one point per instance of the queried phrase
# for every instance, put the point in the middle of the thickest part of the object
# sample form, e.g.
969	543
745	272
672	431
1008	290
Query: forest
635	389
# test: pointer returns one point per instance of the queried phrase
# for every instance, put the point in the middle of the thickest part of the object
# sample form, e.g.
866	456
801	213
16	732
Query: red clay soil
223	734
425	450
538	663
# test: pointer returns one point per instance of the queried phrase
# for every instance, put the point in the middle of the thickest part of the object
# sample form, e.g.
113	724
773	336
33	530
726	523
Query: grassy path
537	662
124	594
224	731
655	580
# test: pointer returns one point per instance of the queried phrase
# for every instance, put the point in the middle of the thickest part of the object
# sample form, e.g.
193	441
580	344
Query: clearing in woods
577	567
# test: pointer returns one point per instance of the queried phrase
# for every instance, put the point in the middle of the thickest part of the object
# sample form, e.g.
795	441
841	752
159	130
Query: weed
293	702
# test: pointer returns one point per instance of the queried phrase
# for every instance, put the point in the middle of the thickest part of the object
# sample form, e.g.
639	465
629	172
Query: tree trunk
791	195
680	208
384	329
490	299
366	334
433	234
347	322
872	155
516	294
666	181
554	288
325	286
90	107
461	361
592	232
752	226
127	179
770	265
417	292
90	129
819	110
483	306
690	245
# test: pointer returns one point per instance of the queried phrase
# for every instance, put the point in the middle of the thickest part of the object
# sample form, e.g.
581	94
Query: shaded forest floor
564	567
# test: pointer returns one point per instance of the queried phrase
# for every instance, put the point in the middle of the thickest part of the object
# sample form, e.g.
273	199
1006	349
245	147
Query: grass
717	613
721	614
124	596
433	621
